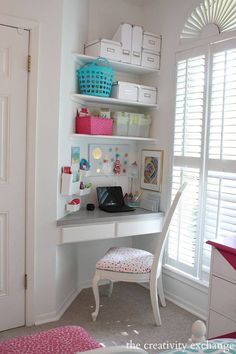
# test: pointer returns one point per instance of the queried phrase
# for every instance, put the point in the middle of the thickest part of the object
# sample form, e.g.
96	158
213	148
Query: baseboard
85	284
182	303
56	315
88	284
189	307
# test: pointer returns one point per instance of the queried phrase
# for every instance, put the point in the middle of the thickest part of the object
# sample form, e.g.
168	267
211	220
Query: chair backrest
162	238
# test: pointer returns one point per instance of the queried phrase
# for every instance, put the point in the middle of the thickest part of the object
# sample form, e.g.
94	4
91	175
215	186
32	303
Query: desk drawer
87	233
222	268
219	325
130	228
223	297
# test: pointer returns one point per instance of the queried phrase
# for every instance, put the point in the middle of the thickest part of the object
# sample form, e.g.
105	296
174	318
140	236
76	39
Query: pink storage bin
93	125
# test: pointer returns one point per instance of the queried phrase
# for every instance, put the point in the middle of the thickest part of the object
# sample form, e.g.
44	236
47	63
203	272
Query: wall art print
151	173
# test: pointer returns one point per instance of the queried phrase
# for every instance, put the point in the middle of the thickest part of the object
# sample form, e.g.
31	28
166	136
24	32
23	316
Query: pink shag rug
60	340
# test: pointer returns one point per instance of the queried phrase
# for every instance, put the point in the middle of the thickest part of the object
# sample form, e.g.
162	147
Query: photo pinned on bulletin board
108	159
75	160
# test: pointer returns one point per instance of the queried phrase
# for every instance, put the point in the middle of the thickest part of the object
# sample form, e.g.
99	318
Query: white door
13	110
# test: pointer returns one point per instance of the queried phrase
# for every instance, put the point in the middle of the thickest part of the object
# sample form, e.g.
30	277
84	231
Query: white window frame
214	44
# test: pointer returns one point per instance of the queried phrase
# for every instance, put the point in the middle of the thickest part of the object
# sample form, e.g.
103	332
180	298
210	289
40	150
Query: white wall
74	35
106	15
49	15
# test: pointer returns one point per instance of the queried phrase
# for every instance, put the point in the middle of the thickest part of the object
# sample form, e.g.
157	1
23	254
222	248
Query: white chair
139	266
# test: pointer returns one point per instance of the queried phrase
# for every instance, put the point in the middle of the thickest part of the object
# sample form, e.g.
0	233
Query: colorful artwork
103	159
151	170
75	160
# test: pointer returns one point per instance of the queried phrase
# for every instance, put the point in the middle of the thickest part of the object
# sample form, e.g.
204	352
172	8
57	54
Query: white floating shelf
110	101
135	138
116	65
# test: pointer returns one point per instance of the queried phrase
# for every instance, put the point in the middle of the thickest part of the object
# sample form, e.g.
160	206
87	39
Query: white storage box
151	42
104	48
121	123
137	38
124	35
150	59
147	94
125	91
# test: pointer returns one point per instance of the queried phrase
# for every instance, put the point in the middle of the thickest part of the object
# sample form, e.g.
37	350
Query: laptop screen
110	196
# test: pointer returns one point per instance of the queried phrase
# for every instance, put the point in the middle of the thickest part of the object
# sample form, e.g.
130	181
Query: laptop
111	199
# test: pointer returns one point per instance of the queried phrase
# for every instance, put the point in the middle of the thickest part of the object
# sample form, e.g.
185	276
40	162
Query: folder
137	39
124	35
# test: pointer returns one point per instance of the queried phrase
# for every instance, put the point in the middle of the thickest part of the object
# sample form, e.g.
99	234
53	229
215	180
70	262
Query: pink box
93	125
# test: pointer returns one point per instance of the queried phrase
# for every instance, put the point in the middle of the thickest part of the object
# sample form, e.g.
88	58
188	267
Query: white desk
222	289
97	225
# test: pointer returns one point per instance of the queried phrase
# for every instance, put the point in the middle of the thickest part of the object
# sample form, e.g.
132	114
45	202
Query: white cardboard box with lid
124	35
137	38
151	42
104	48
150	59
125	91
147	94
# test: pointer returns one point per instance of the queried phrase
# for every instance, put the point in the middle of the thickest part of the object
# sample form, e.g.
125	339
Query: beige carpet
126	316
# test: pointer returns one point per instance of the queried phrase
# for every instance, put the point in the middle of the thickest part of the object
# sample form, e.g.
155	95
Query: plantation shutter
220	215
182	241
220	212
222	142
189	106
204	156
189	116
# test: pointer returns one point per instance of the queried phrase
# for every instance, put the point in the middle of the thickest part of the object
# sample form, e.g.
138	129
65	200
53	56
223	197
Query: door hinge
29	64
26	281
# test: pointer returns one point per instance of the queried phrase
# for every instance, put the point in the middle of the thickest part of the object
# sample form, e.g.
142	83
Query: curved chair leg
154	301
161	291
96	296
110	288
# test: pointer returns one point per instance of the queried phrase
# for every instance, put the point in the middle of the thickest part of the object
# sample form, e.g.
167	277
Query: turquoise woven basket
95	78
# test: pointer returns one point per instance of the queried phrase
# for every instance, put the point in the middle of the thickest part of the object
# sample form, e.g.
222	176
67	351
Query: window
212	16
204	155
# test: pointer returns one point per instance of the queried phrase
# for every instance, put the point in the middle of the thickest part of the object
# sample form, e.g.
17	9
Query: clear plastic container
121	123
134	124
131	124
144	126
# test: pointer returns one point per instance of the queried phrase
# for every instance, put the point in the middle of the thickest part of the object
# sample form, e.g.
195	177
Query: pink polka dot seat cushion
126	260
60	340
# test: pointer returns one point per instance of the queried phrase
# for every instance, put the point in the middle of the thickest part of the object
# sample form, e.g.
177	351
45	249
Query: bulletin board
102	158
